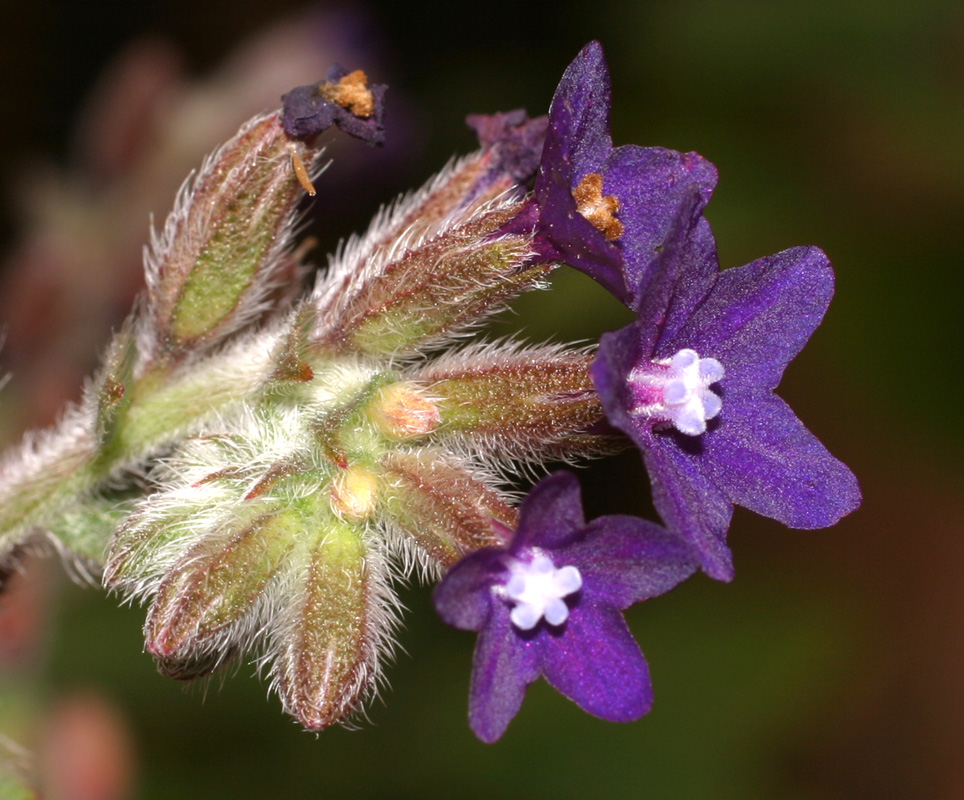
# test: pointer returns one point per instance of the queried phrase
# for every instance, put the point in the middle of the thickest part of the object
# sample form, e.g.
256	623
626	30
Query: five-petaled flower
549	604
691	381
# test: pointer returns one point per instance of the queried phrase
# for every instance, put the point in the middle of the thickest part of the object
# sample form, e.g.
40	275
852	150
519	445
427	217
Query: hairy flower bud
523	401
441	507
404	411
212	595
326	641
413	295
354	493
224	247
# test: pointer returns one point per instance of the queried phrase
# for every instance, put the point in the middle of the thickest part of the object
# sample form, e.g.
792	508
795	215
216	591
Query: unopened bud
327	641
525	401
406	303
224	246
206	597
445	509
354	493
403	411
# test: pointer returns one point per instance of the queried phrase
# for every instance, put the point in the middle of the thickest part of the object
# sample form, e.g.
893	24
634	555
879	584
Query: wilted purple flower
549	603
512	144
607	211
345	100
516	140
692	379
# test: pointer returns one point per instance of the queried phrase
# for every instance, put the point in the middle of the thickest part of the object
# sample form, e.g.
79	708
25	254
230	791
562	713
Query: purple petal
464	597
578	143
655	187
681	279
756	318
504	664
579	115
687	499
764	458
625	560
596	663
551	514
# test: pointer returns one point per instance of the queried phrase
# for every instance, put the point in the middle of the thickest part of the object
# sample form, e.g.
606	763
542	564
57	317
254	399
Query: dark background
833	666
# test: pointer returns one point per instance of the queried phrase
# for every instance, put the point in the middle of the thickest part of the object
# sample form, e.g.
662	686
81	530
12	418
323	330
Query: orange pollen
351	92
598	210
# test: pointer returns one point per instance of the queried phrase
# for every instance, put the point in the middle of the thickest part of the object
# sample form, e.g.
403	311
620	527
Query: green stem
162	408
68	461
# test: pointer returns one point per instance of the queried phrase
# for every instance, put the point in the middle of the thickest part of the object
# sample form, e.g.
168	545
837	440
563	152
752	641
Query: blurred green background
833	666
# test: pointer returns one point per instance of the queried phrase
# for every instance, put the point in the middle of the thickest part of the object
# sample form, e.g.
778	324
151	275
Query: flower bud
223	248
442	507
354	493
520	401
403	411
210	597
325	643
511	145
410	298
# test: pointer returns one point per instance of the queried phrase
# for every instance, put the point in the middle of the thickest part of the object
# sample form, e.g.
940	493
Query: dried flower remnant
345	99
350	91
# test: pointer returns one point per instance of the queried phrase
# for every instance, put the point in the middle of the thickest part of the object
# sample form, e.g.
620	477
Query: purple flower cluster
690	382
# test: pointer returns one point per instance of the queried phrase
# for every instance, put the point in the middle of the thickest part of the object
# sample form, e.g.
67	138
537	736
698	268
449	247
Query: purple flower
548	604
607	211
691	381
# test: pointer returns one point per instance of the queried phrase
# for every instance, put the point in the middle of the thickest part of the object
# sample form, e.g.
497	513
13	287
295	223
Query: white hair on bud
184	231
396	230
381	618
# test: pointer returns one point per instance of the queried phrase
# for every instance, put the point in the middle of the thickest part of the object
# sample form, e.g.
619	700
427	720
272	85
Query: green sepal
215	586
434	289
223	252
526	401
442	509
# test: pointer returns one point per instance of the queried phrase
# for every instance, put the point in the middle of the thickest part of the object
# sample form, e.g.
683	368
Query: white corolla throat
537	589
677	390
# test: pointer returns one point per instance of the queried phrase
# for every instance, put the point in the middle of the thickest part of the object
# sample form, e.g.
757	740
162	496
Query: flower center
537	589
676	390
